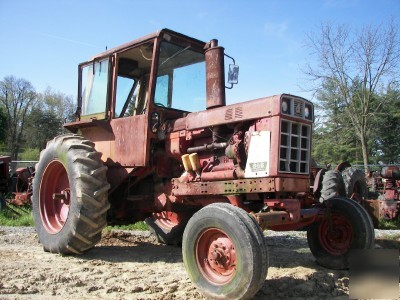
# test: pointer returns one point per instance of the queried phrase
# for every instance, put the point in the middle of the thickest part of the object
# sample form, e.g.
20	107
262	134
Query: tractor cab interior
132	81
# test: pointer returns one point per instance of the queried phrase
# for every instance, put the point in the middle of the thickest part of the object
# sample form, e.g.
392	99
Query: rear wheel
69	198
346	226
355	183
167	227
332	186
224	252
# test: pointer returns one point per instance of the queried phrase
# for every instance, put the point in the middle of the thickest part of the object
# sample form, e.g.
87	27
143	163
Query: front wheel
69	198
346	226
224	252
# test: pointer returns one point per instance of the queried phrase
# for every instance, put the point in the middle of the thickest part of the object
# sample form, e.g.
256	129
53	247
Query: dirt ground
132	265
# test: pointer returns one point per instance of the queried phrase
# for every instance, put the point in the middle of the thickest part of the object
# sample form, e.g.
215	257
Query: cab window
132	77
94	88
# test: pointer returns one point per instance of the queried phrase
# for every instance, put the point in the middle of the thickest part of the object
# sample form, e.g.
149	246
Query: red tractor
383	201
154	140
17	188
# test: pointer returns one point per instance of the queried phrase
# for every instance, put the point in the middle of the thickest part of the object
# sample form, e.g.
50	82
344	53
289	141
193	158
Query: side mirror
233	74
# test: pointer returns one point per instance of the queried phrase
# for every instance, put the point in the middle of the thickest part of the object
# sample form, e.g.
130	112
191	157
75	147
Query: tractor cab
125	93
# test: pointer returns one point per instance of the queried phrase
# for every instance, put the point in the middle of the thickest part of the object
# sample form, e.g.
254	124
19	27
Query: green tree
386	141
334	140
17	96
3	125
358	64
47	118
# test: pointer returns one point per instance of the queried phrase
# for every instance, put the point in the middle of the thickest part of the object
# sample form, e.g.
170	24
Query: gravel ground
132	265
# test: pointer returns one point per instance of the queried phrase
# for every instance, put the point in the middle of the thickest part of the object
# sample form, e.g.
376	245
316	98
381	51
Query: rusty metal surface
21	199
382	210
318	180
392	172
389	209
307	217
373	208
218	175
292	184
124	144
241	186
146	38
250	110
215	75
285	214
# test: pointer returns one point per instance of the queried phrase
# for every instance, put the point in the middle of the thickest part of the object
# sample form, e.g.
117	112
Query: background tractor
154	140
15	186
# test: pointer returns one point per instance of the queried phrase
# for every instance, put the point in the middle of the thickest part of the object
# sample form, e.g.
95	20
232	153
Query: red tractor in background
378	192
385	188
17	188
154	140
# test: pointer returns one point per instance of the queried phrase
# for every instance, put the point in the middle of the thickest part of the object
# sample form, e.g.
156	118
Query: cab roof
158	34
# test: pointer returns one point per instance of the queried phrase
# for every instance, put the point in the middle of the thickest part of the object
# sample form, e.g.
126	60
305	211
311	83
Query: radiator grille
294	147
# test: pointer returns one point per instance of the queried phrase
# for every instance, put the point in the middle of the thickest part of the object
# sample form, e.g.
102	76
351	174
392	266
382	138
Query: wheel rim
167	219
55	195
216	256
338	239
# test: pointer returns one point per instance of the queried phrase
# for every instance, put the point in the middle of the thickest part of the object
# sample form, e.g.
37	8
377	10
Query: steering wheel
160	104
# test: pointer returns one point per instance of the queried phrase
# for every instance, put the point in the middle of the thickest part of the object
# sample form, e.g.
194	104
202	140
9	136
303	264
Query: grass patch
384	224
16	216
142	226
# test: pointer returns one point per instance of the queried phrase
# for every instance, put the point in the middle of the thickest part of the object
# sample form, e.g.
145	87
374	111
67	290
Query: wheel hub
55	197
336	235
216	256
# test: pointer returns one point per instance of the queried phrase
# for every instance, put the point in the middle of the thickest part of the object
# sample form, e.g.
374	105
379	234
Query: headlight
285	106
308	112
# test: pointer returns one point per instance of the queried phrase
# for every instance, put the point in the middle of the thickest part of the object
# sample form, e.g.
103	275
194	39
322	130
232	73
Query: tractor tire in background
346	226
70	195
355	183
2	202
224	252
167	227
332	186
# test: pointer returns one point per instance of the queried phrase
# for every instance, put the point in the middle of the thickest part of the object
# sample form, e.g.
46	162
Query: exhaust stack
215	75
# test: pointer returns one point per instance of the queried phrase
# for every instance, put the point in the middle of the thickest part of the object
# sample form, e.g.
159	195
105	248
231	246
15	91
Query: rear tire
70	193
351	228
224	252
355	183
332	186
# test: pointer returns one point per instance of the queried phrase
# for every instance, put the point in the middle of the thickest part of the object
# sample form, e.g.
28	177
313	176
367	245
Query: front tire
347	226
69	198
224	252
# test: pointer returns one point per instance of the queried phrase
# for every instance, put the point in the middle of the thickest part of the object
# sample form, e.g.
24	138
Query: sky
43	41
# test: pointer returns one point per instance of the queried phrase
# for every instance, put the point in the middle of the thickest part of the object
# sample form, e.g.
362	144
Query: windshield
181	78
